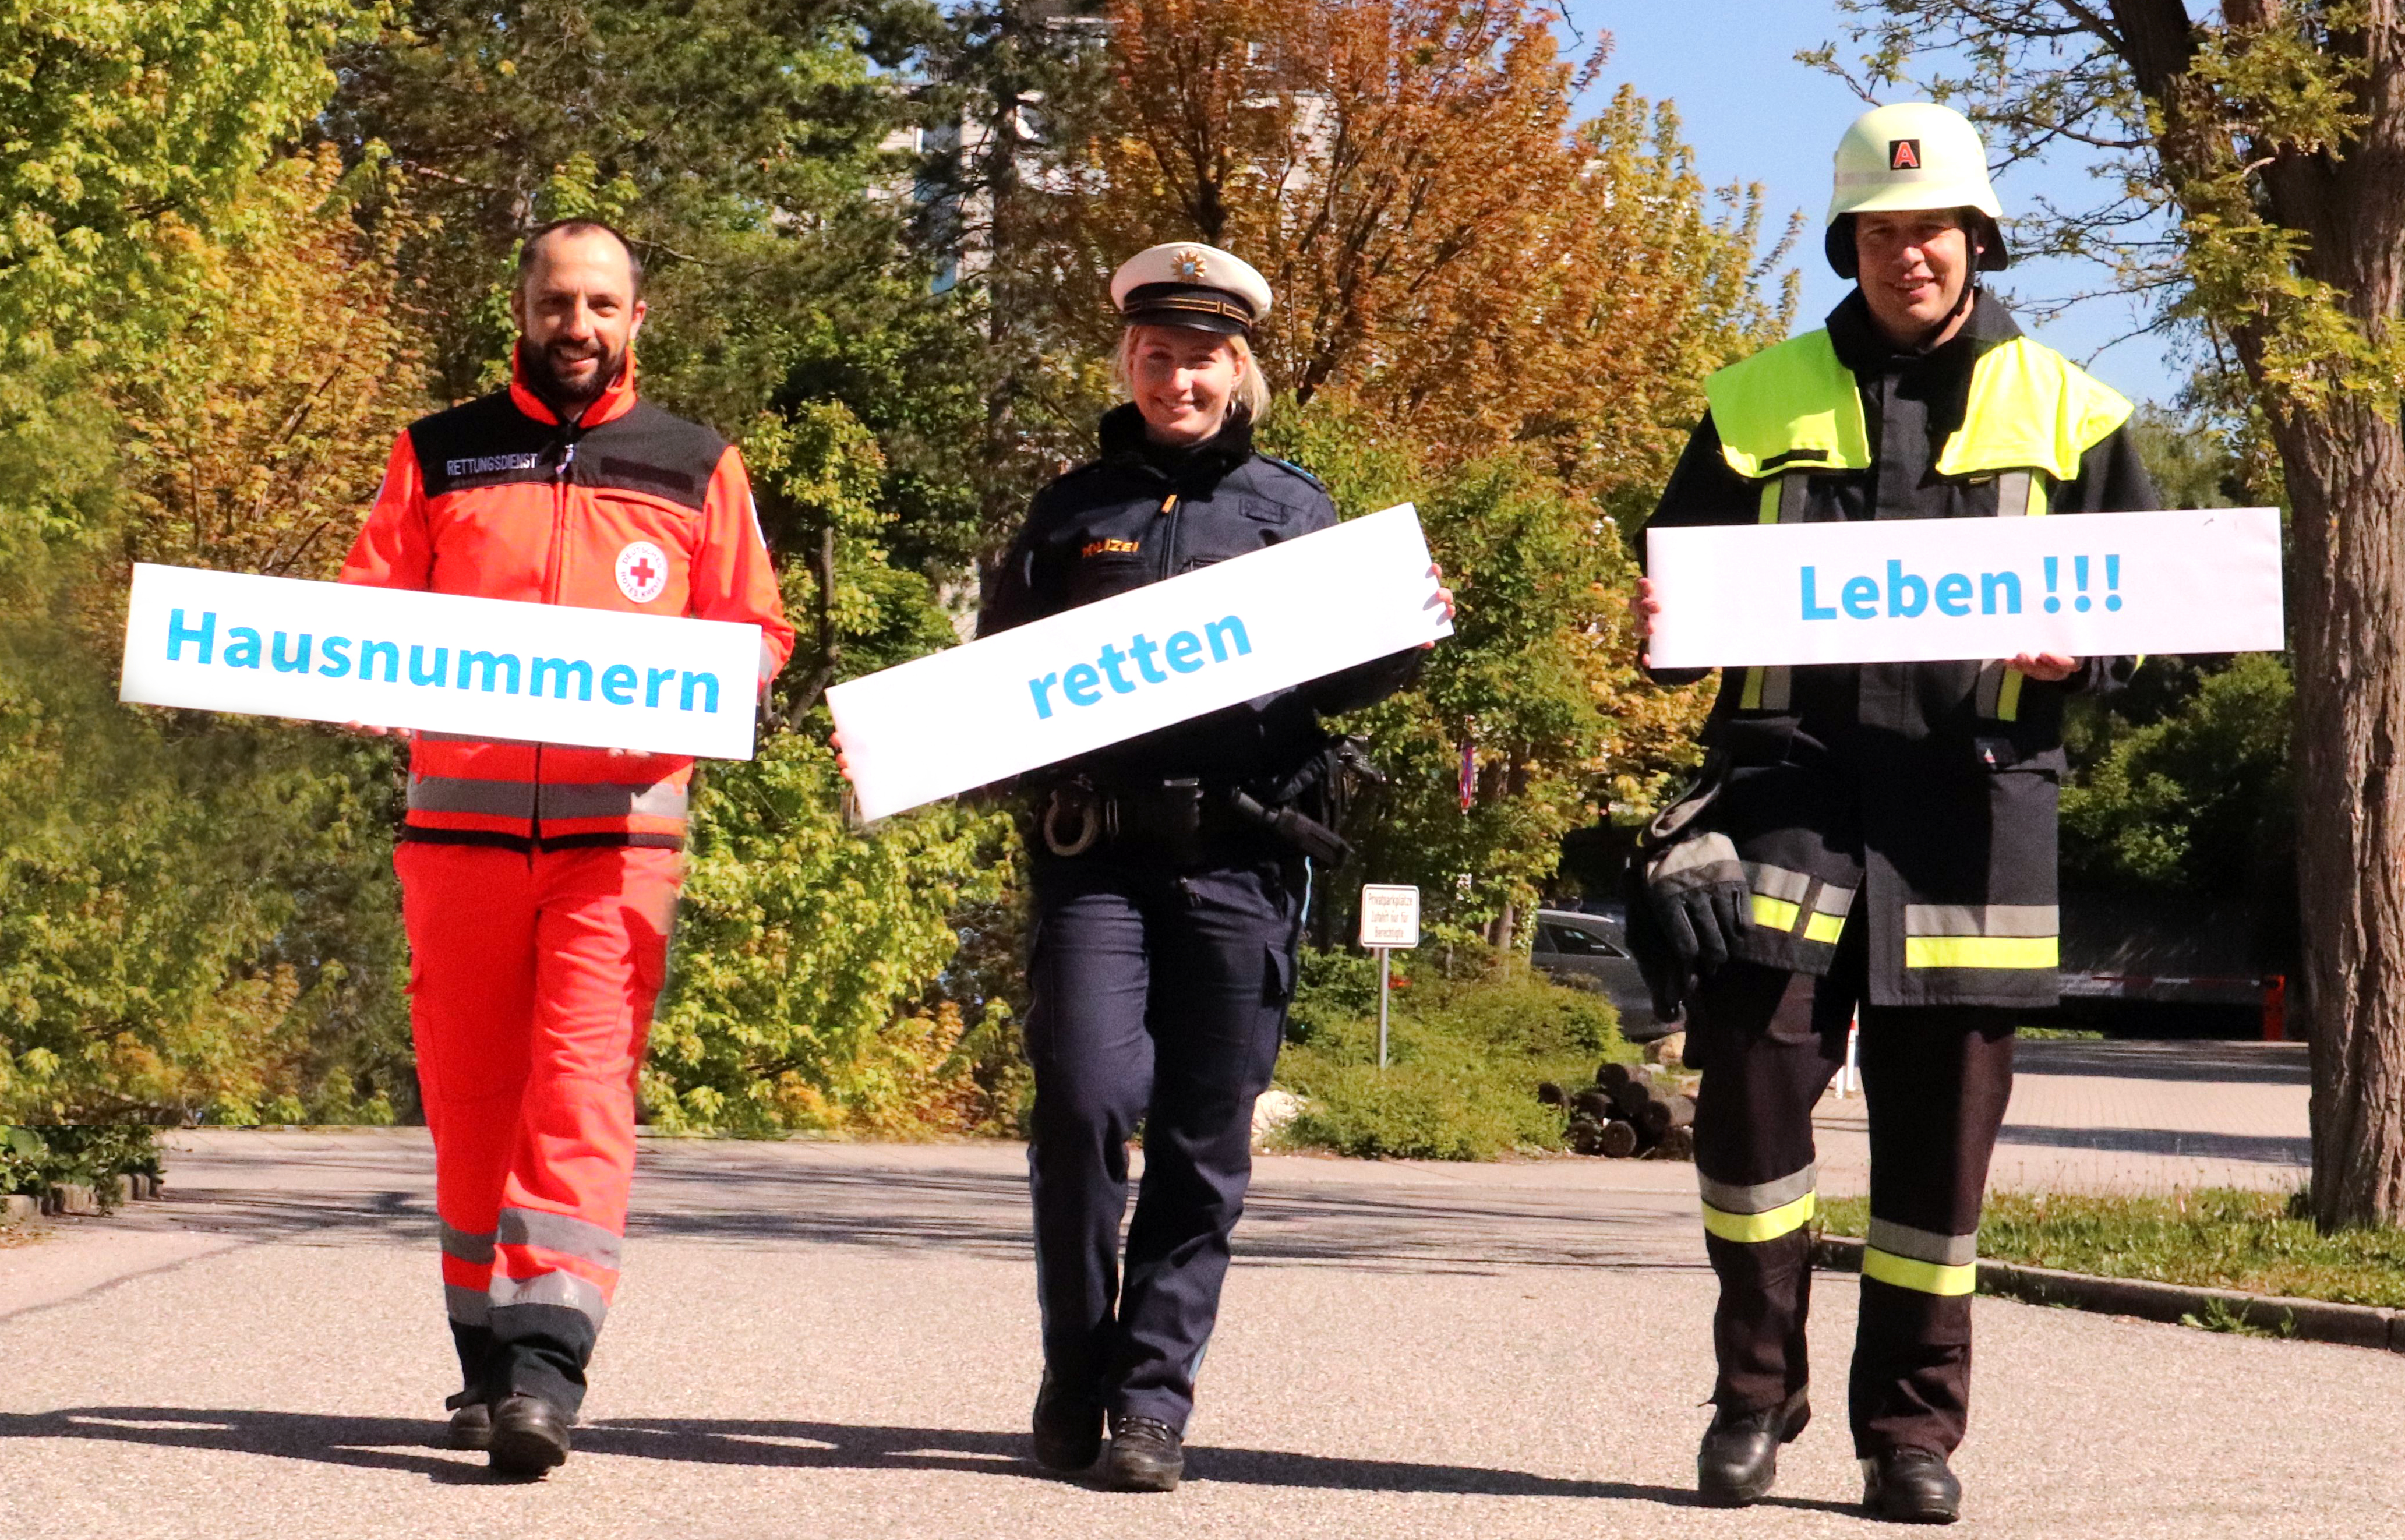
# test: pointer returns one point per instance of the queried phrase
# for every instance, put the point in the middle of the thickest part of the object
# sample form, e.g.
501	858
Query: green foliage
181	908
2198	798
36	1158
2211	1237
802	949
1466	1055
1539	677
126	122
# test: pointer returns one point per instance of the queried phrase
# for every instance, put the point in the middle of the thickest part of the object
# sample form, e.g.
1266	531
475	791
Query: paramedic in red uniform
539	881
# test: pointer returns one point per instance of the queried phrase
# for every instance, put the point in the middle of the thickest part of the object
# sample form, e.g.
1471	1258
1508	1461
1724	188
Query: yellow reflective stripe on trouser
1752	1230
1824	927
1906	1272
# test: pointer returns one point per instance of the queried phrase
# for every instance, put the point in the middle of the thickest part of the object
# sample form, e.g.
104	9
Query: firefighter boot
529	1436
1739	1458
1911	1487
471	1421
1147	1455
1068	1427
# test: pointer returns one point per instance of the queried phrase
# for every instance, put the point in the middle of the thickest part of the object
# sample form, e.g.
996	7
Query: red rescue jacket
627	509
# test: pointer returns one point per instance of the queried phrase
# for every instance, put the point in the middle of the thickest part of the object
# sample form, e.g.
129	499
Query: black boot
529	1436
1911	1487
471	1421
1147	1455
1068	1427
1739	1458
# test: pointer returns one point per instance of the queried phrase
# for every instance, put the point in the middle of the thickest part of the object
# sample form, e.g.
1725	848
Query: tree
120	115
2273	141
1349	149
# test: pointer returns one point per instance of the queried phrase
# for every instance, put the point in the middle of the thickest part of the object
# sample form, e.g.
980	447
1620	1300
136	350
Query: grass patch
1465	1057
2213	1237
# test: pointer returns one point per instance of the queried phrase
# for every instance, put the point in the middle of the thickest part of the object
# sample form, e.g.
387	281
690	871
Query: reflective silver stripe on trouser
610	800
565	1234
468	1306
1946	1250
1760	1198
501	799
467	1246
562	1288
1982	919
1762	1213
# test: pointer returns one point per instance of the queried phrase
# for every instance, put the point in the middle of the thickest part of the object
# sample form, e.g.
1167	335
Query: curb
2301	1320
71	1199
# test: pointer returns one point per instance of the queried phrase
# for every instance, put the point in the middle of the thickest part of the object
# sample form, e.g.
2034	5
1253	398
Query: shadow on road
984	1214
2204	1061
409	1446
2275	1150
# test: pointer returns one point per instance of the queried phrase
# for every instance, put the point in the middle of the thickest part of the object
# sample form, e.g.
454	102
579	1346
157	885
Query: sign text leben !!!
223	641
1125	666
1907	590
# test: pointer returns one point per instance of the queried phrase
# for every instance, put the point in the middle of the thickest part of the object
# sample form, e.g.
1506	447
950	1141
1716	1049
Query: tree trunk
2347	478
2342	453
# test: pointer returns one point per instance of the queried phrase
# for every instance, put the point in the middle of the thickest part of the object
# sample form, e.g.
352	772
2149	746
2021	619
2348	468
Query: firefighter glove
1699	899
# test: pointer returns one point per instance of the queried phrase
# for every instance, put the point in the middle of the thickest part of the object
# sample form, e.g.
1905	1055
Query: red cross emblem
642	571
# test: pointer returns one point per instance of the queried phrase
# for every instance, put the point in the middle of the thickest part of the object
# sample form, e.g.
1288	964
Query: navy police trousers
1160	1000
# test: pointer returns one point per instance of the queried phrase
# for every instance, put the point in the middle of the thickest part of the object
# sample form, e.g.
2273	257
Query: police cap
1188	284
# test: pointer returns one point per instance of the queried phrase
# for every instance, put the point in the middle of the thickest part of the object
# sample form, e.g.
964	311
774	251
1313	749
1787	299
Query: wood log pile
1631	1112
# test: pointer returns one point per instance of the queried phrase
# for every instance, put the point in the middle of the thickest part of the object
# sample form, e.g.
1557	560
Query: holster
1184	823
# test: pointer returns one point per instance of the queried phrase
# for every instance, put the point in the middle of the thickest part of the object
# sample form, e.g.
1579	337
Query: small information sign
1390	916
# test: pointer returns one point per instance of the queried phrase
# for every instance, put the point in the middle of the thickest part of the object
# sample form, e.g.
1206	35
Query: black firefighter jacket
1141	513
1918	799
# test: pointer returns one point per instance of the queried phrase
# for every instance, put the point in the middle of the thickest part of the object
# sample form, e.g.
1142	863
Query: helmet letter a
1903	155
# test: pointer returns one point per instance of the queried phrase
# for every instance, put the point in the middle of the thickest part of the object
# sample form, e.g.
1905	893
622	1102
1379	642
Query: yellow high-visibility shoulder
1790	405
2030	408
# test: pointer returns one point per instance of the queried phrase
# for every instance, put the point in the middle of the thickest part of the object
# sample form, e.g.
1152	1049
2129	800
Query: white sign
1124	666
445	663
1390	915
1905	590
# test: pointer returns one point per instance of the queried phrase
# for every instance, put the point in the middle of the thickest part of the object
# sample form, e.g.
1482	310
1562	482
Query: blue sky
1753	114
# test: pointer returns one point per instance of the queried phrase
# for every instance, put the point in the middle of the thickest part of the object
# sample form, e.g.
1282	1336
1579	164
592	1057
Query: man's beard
544	371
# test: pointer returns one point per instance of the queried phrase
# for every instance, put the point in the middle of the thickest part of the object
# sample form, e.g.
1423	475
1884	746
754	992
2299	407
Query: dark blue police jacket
1143	513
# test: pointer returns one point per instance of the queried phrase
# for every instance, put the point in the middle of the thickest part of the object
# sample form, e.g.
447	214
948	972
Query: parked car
1590	950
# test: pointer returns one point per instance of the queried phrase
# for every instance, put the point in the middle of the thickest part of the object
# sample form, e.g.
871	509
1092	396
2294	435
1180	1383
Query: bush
1466	1054
35	1160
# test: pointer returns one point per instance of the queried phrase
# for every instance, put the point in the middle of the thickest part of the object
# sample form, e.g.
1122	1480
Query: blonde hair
1249	401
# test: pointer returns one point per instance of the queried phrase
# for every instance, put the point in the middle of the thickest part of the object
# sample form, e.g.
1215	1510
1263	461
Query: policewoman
1875	837
1170	876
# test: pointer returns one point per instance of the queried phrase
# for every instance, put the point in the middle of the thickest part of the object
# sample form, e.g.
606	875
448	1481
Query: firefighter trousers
532	978
1936	1079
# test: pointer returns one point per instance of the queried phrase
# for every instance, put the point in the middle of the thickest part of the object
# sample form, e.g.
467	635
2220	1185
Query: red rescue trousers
532	976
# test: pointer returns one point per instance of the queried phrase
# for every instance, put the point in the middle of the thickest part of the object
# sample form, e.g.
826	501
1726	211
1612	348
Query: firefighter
1172	873
538	882
1874	837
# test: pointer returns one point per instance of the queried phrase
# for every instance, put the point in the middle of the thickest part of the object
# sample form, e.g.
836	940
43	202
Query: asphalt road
838	1340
